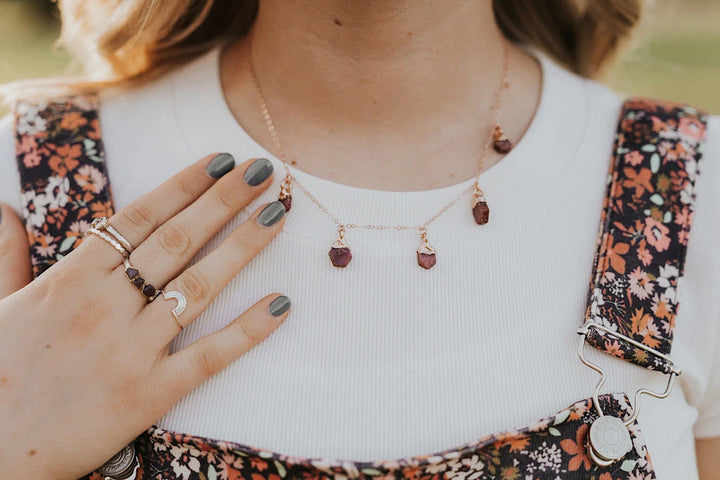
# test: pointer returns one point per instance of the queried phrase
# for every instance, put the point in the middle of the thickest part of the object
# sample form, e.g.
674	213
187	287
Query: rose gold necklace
339	253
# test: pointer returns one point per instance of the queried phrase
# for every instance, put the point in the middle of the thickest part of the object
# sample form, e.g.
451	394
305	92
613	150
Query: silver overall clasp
609	437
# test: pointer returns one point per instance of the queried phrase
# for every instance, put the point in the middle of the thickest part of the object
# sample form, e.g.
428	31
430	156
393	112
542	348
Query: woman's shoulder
141	114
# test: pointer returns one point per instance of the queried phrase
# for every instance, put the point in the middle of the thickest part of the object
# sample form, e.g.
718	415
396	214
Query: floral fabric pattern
63	176
644	229
549	449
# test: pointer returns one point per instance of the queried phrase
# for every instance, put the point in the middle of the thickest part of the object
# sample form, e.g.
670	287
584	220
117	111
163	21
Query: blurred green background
675	54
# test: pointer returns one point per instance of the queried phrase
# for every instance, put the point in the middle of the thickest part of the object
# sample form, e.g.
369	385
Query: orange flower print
605	476
101	209
65	158
258	464
614	348
614	255
72	121
656	234
577	448
517	441
638	179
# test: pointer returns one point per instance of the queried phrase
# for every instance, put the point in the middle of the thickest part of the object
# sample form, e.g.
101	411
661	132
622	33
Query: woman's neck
356	85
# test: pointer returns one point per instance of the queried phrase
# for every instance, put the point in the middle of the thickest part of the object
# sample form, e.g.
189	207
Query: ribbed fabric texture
384	359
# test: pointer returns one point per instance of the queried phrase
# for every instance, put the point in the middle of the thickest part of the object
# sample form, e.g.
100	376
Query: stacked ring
101	225
151	293
104	230
145	288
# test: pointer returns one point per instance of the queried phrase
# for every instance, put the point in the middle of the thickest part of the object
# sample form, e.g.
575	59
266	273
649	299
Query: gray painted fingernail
258	171
220	165
279	305
271	213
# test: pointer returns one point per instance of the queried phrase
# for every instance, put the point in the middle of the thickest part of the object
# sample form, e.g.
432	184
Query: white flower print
34	207
29	120
467	469
90	178
547	458
184	461
56	192
667	280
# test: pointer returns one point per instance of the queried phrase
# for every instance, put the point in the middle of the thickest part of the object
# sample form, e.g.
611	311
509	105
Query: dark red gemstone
481	212
340	256
426	260
503	145
148	290
287	202
131	272
138	281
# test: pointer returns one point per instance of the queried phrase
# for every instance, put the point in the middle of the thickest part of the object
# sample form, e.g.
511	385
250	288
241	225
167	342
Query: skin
357	70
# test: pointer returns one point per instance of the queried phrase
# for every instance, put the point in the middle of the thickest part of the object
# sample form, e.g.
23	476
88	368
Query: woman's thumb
15	267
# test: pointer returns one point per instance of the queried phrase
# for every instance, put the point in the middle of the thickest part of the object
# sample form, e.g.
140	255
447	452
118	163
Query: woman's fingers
204	280
15	267
187	368
172	246
141	217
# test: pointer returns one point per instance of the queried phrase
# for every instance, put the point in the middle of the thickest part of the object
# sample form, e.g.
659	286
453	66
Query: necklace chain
486	148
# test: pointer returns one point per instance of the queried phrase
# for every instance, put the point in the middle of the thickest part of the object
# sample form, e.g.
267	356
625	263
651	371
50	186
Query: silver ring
108	239
151	293
103	223
179	308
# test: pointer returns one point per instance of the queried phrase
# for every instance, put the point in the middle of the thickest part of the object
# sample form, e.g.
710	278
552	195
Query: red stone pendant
426	254
339	253
501	143
286	201
285	196
480	209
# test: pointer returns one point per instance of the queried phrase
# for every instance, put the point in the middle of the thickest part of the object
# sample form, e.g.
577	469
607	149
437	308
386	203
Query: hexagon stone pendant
426	254
480	210
339	253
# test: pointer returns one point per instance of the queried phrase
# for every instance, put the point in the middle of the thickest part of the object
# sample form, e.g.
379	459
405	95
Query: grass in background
676	54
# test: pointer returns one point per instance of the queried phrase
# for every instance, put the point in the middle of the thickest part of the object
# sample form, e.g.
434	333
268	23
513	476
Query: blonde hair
124	43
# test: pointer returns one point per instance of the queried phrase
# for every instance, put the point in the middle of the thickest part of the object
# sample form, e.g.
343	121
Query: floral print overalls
643	235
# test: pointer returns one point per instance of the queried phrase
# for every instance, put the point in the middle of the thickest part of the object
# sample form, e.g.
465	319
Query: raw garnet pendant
426	254
285	196
339	253
480	209
501	143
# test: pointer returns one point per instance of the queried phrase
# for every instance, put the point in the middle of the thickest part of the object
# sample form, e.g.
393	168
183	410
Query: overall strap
63	176
644	230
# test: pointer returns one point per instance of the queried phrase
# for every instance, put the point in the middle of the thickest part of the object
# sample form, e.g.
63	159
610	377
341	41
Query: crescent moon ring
181	302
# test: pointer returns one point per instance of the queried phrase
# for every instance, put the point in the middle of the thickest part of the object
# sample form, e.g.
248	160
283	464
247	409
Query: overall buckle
609	437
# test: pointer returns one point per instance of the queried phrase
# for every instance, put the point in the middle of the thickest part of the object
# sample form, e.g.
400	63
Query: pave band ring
151	293
102	228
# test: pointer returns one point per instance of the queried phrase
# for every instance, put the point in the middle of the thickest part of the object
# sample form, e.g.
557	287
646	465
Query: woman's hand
84	358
